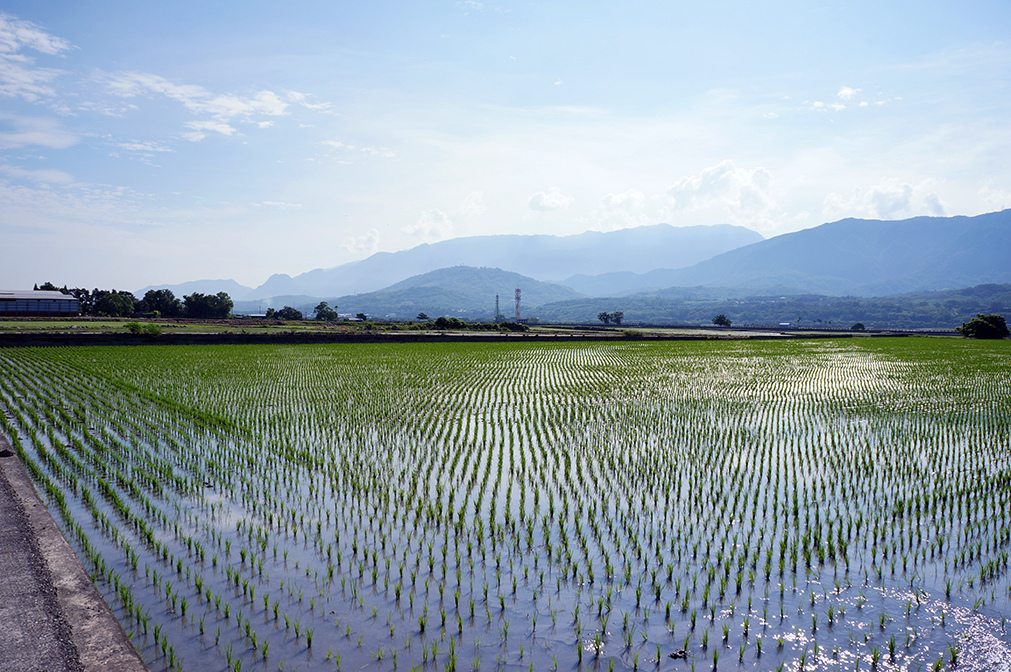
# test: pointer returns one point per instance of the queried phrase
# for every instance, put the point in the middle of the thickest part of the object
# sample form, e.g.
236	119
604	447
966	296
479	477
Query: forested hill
460	291
921	310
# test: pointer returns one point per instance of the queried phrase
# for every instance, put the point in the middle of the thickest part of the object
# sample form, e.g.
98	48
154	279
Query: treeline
444	323
922	310
156	303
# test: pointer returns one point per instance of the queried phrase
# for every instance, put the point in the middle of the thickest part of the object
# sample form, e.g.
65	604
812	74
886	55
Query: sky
156	143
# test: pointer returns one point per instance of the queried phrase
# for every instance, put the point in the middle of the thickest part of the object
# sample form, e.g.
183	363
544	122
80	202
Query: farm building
37	303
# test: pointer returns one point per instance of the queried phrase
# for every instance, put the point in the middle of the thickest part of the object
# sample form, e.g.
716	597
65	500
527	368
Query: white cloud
889	200
846	93
303	100
472	5
104	108
223	109
553	199
277	204
198	128
378	151
46	176
934	205
19	77
995	199
473	205
19	80
627	209
29	131
17	34
822	106
632	197
431	226
742	193
382	152
366	244
134	146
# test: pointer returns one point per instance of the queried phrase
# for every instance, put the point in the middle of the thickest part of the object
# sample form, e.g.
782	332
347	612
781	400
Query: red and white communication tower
517	304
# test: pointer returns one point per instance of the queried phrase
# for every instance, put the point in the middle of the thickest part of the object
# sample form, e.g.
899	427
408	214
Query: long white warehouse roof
40	295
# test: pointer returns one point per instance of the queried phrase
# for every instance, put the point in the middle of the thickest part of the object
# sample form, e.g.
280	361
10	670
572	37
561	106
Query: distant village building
27	303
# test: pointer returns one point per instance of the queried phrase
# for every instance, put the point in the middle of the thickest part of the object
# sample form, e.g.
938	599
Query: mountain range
544	257
866	258
461	276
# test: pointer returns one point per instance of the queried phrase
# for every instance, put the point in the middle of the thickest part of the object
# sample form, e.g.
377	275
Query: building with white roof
37	303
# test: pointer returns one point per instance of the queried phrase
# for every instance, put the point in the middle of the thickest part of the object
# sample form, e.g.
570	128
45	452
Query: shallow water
541	488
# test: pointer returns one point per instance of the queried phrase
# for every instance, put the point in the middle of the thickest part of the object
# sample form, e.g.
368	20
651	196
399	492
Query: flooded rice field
676	506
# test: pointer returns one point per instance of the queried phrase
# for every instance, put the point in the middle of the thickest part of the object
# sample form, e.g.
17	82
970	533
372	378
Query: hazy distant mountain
232	288
624	283
546	258
299	301
458	291
849	257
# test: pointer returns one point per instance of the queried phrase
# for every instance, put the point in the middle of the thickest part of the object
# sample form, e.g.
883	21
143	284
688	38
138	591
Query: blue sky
145	143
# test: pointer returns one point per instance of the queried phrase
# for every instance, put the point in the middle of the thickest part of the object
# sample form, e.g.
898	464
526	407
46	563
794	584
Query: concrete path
52	618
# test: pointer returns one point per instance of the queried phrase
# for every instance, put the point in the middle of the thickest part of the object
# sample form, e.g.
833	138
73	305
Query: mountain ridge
867	257
543	257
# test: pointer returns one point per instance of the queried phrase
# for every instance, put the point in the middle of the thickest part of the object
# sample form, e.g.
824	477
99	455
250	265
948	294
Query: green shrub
149	329
984	326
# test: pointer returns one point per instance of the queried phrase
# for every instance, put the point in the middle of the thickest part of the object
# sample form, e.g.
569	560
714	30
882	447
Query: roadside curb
101	643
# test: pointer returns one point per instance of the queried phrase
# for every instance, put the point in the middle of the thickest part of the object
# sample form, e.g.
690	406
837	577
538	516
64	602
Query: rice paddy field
823	505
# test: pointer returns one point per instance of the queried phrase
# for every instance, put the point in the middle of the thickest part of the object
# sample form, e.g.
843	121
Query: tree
208	306
617	316
163	301
85	300
422	317
859	326
984	326
115	304
444	322
288	313
324	312
362	316
604	317
721	320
